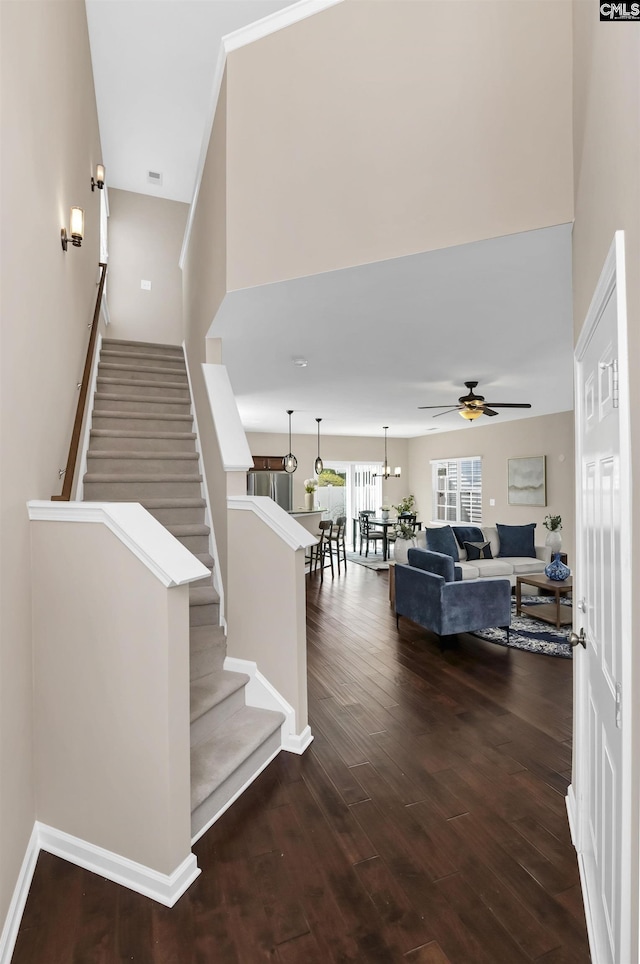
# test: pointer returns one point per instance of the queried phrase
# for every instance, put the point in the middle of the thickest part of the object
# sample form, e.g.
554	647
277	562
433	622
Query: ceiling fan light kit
472	406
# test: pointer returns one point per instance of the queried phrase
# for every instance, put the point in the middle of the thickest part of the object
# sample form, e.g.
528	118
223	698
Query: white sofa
497	568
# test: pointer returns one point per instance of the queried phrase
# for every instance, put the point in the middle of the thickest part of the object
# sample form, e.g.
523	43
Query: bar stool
337	541
321	555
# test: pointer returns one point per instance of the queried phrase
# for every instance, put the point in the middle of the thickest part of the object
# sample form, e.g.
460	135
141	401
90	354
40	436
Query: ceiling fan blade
435	406
456	409
488	411
508	404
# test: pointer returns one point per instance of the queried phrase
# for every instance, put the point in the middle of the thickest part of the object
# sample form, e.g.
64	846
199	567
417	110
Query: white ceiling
153	66
380	339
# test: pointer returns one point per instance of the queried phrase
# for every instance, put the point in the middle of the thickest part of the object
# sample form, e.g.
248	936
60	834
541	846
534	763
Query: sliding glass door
346	488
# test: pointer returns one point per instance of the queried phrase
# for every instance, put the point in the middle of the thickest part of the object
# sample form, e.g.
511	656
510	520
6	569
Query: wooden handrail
69	472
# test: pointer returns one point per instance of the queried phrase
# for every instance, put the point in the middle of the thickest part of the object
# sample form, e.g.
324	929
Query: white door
601	797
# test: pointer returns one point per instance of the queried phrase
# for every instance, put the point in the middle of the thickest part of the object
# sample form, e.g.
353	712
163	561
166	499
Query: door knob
574	639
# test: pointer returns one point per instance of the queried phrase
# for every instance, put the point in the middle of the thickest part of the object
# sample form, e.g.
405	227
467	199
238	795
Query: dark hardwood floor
425	824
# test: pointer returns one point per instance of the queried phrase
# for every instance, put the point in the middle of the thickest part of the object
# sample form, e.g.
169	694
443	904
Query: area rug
369	563
531	634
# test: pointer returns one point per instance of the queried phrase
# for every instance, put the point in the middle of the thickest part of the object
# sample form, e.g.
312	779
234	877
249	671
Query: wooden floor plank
426	823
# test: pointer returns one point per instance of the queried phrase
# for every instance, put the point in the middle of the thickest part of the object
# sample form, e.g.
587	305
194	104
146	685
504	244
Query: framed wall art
527	481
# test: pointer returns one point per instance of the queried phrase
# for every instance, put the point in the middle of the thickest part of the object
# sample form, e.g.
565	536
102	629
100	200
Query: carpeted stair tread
141	455
177	503
207	651
203	637
143	416
134	345
213	761
205	558
105	382
203	596
138	433
138	477
108	369
209	691
194	529
156	399
114	355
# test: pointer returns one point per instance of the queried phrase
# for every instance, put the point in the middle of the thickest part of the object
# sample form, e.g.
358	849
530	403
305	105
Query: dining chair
369	533
337	541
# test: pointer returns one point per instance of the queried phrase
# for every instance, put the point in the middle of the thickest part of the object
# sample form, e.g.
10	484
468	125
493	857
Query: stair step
133	404
221	766
142	346
143	389
204	606
195	538
152	464
214	698
111	369
176	511
207	650
104	487
142	358
140	421
134	441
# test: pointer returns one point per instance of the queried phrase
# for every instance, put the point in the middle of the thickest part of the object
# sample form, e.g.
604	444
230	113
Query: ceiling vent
154	177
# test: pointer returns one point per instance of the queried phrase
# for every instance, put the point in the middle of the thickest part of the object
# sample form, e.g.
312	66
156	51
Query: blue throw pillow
468	534
443	540
517	540
478	550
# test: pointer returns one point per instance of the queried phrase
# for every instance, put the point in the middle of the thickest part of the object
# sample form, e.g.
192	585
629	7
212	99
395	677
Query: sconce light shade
99	181
318	466
76	229
290	462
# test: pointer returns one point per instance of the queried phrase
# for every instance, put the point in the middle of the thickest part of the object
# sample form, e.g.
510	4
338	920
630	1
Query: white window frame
456	501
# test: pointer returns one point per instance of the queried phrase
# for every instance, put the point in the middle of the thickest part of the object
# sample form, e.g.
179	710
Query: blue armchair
428	593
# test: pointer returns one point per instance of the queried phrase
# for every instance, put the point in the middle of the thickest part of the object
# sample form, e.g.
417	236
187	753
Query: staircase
143	449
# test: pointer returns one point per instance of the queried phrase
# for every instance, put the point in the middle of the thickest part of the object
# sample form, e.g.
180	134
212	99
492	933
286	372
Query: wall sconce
76	229
99	181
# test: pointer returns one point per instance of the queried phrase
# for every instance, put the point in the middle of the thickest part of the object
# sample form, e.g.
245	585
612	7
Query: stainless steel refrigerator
277	485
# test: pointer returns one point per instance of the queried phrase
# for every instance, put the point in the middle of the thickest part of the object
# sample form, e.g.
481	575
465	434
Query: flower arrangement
406	504
403	531
310	485
553	522
385	508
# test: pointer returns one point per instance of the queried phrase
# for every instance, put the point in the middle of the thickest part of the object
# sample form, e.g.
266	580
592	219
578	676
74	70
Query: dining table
385	525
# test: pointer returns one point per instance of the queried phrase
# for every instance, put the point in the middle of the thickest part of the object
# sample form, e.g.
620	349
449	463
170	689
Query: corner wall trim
260	693
233	41
164	888
21	892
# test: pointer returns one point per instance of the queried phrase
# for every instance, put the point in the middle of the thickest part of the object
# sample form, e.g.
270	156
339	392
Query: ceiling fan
472	406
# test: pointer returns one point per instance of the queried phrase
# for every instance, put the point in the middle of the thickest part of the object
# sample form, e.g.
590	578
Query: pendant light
318	464
290	462
386	471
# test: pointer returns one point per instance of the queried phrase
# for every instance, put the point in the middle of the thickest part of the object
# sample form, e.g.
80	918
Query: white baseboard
570	801
21	891
572	813
164	888
260	693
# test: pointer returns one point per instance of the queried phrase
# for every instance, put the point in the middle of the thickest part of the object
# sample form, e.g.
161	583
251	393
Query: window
457	490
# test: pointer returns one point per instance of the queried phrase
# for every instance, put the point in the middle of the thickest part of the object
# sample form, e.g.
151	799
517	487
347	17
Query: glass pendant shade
77	226
318	466
290	462
471	413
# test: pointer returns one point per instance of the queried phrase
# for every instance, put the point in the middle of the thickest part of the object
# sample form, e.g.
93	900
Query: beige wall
111	718
337	448
204	287
607	198
145	239
50	146
374	130
549	435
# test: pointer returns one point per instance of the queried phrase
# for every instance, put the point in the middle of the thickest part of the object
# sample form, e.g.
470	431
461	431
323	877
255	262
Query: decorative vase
401	549
385	513
554	541
557	570
308	501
